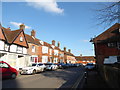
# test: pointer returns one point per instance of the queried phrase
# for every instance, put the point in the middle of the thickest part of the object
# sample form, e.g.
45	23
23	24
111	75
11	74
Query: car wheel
34	72
13	76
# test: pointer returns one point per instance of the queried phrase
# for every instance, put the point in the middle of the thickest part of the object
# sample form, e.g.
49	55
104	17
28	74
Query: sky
70	23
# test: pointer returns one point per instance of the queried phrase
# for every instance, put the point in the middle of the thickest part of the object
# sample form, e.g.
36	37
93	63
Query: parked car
51	66
33	69
7	71
62	65
89	66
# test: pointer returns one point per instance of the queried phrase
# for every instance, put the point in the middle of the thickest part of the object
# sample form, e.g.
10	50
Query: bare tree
108	14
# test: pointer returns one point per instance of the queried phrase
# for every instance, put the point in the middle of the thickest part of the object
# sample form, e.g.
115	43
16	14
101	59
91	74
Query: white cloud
16	24
85	40
47	5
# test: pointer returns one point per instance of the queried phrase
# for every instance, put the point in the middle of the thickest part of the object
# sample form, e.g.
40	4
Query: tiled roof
31	39
68	53
106	34
10	35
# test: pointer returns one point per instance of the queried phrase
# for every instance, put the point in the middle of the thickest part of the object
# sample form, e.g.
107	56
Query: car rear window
3	65
33	64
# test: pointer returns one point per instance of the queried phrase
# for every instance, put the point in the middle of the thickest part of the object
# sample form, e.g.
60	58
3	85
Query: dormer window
41	42
53	46
21	39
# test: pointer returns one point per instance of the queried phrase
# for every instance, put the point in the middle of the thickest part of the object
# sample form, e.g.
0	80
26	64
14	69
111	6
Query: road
61	78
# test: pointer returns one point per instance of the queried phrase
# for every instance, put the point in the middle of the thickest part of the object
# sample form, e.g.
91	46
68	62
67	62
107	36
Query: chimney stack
58	44
22	26
69	50
33	32
53	42
64	48
80	55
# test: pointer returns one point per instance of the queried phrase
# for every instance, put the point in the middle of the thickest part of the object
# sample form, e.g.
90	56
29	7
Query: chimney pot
33	32
53	42
22	26
58	44
64	48
80	55
69	50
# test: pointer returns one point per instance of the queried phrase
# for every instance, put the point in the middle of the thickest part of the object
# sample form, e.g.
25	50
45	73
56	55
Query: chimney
33	32
64	48
22	26
58	44
69	50
53	42
80	55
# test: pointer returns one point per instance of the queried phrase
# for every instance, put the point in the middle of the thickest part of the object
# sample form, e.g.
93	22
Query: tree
108	14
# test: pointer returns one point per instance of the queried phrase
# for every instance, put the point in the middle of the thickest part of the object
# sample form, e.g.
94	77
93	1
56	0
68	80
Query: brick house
107	44
13	49
85	59
68	56
35	47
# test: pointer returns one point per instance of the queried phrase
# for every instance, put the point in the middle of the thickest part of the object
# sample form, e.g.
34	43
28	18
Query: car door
6	72
40	67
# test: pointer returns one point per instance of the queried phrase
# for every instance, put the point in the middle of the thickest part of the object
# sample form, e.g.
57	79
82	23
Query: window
6	47
21	39
33	48
118	58
44	59
32	59
3	65
118	45
19	49
1	45
44	49
56	52
111	44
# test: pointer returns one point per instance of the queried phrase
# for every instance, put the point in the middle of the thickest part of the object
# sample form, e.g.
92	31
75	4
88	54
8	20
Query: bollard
85	77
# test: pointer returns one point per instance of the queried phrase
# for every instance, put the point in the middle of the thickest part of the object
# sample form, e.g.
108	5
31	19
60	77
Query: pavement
93	80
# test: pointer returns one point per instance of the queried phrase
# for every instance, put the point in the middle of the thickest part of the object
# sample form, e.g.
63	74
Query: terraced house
13	47
20	49
68	56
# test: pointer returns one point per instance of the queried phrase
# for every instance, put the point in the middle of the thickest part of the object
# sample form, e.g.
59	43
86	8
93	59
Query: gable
1	35
21	40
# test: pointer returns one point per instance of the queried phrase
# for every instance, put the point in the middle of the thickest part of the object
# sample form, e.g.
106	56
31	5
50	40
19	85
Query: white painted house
13	47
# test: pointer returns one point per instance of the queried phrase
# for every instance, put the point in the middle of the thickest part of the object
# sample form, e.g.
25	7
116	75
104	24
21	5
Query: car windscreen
40	64
33	64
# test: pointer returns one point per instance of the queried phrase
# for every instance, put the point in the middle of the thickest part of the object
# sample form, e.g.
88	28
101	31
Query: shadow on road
13	83
69	75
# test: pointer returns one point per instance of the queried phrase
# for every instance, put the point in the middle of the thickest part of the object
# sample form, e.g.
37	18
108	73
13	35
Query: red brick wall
102	51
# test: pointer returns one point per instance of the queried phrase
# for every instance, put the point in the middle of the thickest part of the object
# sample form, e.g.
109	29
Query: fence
111	74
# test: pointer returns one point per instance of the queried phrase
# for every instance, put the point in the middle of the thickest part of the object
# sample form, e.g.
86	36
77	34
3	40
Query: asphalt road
61	78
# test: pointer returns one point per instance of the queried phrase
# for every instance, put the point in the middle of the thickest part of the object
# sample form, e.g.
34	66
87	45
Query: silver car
51	66
33	69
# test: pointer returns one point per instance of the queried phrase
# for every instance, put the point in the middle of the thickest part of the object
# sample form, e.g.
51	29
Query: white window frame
118	45
2	45
44	49
33	48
